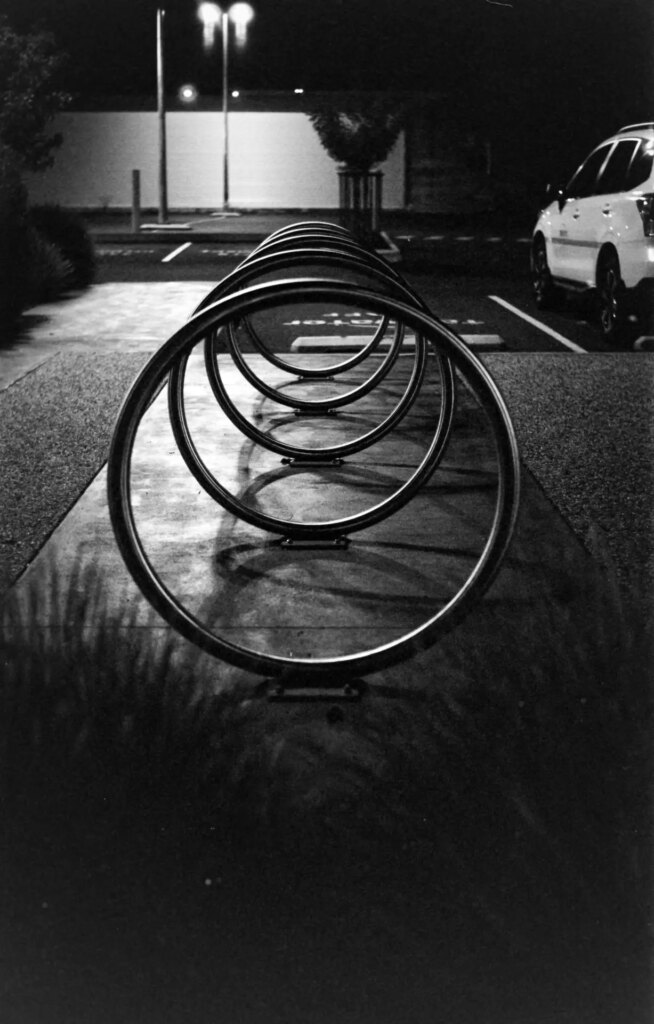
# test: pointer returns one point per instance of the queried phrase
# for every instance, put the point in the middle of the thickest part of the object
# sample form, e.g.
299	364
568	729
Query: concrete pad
120	317
306	602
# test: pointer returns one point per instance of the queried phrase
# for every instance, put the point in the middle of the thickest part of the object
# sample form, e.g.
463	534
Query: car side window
583	182
640	167
614	176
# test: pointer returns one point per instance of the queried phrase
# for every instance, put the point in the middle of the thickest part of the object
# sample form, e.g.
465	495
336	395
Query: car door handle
576	215
606	211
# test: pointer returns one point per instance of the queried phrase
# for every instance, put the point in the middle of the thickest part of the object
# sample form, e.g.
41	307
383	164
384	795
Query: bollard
136	201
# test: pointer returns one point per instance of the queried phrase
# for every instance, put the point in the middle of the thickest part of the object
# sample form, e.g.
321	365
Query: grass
174	852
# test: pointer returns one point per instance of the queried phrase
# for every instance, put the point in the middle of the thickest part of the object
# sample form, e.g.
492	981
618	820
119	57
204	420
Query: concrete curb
166	235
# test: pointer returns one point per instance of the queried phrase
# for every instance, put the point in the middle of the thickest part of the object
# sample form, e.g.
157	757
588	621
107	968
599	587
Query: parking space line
176	252
537	323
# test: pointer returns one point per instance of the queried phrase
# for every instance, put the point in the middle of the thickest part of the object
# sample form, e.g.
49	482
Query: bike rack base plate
314	542
302	691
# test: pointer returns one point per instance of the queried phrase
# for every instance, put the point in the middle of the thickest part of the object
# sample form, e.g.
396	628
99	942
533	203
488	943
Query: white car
597	233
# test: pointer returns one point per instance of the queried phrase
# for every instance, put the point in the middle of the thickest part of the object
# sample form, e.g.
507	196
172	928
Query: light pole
212	17
161	119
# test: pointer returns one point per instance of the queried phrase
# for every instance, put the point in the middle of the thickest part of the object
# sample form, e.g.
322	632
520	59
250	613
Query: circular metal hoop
261	298
199	470
316	404
314	227
389	280
250	270
304	239
320	529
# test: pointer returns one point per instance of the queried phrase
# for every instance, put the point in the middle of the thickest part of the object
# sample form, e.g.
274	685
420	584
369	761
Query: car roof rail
636	127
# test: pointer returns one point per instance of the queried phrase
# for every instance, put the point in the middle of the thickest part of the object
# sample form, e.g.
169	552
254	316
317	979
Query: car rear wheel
546	294
611	299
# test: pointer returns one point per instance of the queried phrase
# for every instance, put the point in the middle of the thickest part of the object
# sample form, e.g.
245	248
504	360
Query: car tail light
646	211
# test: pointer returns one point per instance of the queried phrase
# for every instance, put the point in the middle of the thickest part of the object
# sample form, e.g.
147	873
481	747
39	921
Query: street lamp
161	119
213	18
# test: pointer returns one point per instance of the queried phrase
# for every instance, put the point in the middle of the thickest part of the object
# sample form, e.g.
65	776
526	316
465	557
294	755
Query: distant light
298	92
235	93
188	93
210	15
241	13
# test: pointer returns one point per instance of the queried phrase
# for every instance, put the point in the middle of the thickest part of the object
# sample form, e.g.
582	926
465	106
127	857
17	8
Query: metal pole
136	201
161	118
225	30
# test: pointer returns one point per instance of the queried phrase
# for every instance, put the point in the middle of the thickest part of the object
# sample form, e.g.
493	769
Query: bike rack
351	275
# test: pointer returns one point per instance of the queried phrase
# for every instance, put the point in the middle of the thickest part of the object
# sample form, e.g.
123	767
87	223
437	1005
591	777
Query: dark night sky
572	68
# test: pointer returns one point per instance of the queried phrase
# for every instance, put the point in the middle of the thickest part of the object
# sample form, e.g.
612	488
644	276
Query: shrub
359	130
34	267
67	231
13	224
48	273
489	845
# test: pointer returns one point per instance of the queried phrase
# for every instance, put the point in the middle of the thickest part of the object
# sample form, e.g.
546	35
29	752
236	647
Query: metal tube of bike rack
379	272
261	298
281	261
294	452
248	271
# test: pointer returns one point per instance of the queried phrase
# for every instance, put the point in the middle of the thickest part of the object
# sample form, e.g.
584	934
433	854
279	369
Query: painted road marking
125	252
342	343
176	252
482	239
537	323
223	252
356	320
353	343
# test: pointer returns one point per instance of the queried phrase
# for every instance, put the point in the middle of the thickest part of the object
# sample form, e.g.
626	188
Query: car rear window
640	167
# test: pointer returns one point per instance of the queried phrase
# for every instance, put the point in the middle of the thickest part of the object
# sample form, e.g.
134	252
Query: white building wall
276	161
